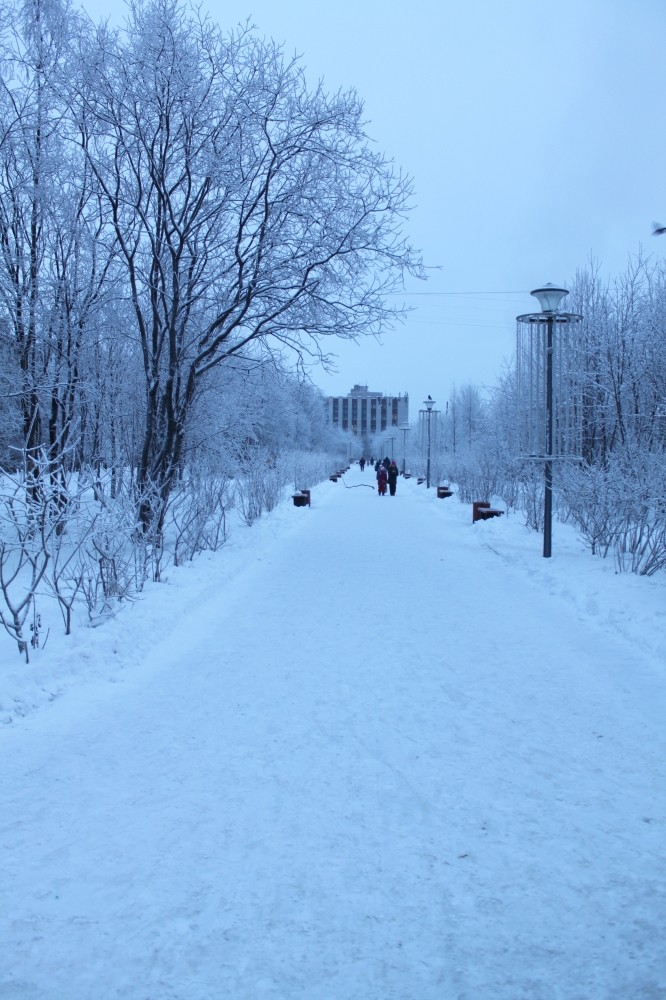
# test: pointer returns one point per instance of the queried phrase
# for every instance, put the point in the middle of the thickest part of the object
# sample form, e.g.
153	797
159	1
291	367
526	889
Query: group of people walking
386	473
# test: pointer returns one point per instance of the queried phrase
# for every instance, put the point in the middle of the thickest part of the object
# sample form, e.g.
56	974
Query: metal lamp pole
428	403
549	299
548	465
403	431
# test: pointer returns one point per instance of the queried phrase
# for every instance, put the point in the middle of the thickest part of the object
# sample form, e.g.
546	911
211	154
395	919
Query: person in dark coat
382	477
392	478
386	463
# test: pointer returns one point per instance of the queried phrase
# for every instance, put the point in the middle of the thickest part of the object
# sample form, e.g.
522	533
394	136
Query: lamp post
549	299
392	440
428	403
403	431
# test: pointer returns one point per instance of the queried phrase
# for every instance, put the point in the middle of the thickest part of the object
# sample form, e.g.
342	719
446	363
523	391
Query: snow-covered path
382	763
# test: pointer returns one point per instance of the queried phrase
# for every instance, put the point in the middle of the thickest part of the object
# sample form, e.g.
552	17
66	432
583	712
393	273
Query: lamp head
549	297
429	403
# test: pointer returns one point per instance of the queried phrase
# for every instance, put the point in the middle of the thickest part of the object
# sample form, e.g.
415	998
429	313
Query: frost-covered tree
624	352
52	266
248	210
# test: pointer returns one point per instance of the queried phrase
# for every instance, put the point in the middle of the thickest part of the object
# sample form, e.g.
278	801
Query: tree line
184	224
614	489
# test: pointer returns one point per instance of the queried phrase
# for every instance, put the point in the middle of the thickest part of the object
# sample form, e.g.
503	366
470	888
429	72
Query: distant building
367	413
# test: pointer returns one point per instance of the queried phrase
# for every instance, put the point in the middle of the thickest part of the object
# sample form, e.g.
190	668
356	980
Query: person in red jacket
382	478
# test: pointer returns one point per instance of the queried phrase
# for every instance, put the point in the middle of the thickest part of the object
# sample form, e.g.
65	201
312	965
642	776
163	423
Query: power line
454	322
519	292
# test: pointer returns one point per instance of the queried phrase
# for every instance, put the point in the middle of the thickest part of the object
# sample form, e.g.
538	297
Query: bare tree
52	266
624	358
246	209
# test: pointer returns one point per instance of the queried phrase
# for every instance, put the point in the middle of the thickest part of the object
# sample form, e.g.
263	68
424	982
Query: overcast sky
534	134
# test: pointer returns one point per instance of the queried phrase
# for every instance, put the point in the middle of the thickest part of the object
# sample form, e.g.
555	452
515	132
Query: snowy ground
368	751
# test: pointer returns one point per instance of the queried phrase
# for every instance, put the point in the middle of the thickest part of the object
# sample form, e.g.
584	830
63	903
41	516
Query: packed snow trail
380	764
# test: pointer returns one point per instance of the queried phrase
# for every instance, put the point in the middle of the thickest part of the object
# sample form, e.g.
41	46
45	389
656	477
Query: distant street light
403	430
428	403
549	299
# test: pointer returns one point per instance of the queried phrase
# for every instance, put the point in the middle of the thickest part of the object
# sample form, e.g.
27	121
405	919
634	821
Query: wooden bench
301	499
443	492
482	511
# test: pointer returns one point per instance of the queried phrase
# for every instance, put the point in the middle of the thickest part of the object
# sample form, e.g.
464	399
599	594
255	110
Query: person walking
382	477
392	476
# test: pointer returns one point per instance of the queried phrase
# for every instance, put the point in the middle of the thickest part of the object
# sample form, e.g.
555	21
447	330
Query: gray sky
534	133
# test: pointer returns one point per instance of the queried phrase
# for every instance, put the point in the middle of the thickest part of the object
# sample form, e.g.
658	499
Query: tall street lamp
549	298
428	403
